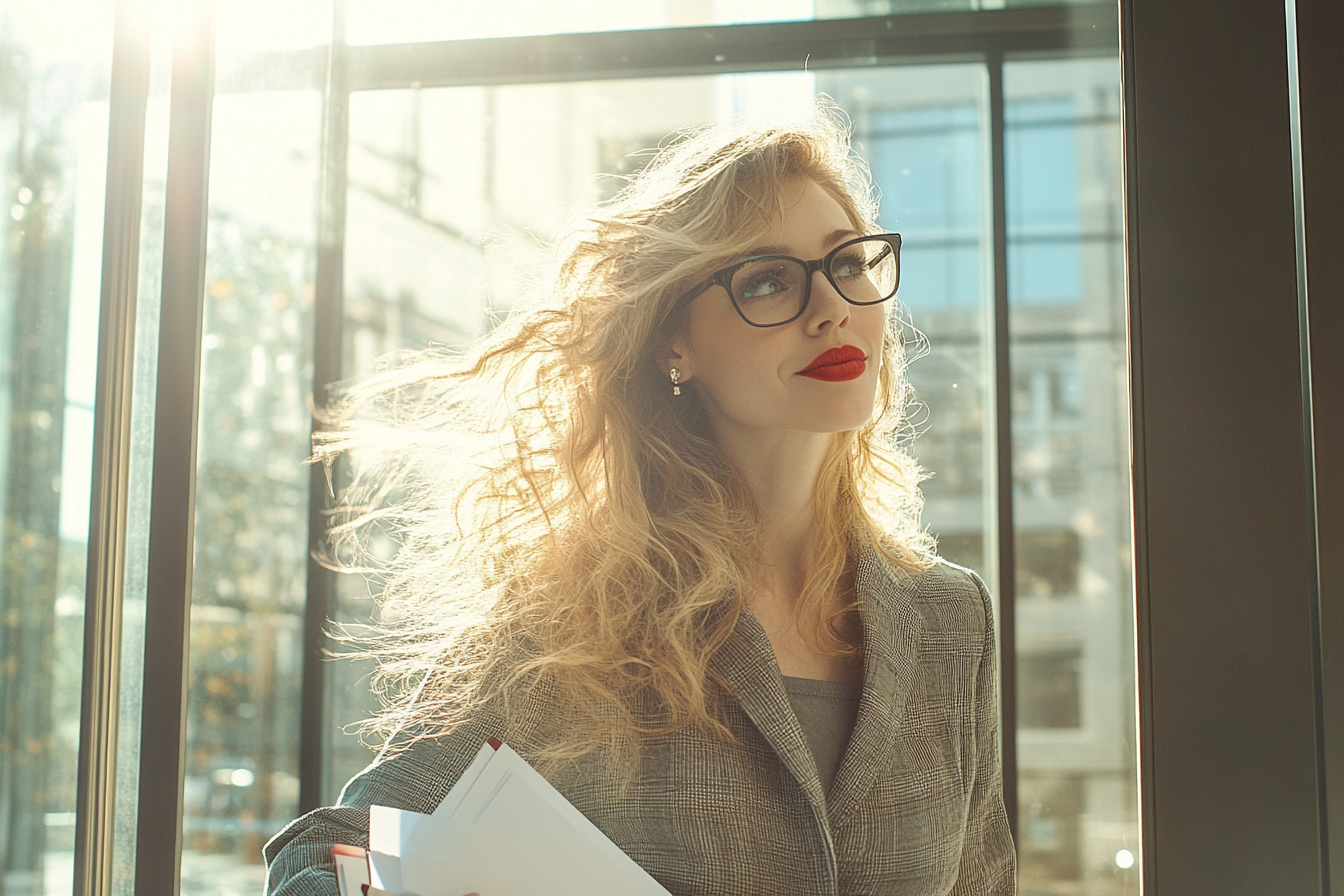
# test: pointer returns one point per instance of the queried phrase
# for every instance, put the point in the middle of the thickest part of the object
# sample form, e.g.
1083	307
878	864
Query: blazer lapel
747	663
892	629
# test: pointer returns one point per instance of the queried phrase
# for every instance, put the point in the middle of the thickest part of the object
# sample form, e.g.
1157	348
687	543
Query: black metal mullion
1143	632
109	496
719	49
736	48
1089	29
1003	444
172	503
328	320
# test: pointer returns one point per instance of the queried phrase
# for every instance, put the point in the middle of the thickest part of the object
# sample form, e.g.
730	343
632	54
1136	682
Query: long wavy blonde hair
562	518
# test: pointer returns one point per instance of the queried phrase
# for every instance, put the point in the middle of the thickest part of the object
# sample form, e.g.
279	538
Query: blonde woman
656	536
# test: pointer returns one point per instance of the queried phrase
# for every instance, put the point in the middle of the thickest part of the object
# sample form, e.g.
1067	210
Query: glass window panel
249	583
1047	563
1050	695
941	278
53	163
926	152
409	21
1051	836
264	26
1042	138
1076	675
1046	272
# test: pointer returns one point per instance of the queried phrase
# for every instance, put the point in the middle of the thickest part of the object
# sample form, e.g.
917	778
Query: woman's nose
825	305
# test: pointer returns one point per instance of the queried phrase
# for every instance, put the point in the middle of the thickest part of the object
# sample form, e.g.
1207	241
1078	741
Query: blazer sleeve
298	859
988	860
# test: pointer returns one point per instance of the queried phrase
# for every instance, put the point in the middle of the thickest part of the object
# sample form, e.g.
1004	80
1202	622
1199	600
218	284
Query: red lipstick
836	365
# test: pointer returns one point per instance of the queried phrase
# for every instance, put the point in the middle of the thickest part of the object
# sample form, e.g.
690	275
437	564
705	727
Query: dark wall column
1226	581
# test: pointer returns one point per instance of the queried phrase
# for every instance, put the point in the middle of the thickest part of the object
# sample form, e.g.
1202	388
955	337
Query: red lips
835	365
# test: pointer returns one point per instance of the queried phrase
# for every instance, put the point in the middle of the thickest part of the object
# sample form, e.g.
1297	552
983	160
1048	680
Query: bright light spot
17	212
25	195
241	777
1124	859
68	605
258	365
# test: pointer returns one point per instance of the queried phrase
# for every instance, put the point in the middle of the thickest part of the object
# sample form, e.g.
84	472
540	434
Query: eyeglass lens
773	290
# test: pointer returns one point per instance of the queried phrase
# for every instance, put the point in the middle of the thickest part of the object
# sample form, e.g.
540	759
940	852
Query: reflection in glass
1075	691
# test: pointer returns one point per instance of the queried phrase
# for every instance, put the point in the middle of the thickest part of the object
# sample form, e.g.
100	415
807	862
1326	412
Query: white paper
464	783
503	831
385	872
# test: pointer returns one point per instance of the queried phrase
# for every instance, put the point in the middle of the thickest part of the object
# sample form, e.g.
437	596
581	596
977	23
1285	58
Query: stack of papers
502	830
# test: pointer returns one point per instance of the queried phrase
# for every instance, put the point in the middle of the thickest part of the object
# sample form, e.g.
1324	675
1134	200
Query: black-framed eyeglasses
773	290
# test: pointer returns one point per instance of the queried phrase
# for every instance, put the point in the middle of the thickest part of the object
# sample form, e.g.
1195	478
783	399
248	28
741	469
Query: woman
685	577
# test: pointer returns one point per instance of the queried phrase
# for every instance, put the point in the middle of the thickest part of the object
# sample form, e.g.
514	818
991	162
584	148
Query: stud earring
676	378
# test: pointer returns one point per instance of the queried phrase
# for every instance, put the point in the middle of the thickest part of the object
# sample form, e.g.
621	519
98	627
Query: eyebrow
832	239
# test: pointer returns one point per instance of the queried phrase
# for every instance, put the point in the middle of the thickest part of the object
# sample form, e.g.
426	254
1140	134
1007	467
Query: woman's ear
674	355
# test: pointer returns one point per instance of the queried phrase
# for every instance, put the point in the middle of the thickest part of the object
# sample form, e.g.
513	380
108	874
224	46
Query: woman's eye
849	266
760	284
760	287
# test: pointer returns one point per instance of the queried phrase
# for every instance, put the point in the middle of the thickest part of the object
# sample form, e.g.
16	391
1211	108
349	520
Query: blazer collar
891	629
748	665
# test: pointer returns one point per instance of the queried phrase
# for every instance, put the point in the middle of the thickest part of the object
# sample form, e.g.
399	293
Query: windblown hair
563	519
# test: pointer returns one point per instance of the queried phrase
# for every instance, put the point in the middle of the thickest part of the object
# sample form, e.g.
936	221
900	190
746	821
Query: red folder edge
349	852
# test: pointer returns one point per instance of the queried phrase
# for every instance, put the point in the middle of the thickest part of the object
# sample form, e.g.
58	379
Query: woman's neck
782	469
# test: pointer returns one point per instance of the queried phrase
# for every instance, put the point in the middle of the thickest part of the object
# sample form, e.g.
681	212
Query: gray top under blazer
916	807
826	711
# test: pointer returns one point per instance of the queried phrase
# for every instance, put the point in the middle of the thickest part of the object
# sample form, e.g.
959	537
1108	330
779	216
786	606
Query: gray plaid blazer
916	807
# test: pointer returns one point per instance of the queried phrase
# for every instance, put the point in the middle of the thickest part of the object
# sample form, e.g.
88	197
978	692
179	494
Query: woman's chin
837	420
